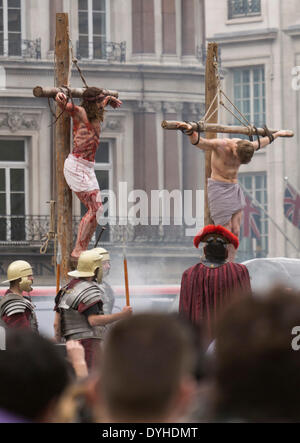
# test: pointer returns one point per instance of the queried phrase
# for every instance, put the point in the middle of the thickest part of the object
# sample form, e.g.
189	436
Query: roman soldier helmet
216	234
88	263
104	253
18	269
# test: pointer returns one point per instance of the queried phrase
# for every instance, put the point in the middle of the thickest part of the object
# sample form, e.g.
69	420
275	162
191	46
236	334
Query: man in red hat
207	287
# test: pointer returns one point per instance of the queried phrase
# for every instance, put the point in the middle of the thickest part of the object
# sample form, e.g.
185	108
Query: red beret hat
216	231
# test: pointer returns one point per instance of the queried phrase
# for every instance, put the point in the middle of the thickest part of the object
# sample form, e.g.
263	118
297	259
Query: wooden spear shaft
39	91
126	281
215	128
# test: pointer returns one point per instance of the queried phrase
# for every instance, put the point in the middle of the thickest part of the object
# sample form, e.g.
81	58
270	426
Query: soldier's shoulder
11	304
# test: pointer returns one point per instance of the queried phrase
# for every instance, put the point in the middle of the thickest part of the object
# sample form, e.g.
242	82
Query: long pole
211	88
62	135
126	280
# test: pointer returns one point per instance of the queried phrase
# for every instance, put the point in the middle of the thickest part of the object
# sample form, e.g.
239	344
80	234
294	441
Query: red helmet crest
216	231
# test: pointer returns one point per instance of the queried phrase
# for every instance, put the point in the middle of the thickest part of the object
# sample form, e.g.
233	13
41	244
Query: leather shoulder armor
86	292
12	304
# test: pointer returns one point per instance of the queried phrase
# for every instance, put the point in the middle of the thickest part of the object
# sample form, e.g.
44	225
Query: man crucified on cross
225	196
79	169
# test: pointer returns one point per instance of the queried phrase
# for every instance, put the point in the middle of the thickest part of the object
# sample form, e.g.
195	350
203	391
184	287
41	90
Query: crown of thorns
96	98
211	232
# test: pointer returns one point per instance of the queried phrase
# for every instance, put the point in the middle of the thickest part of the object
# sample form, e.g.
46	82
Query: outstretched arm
204	144
102	320
212	144
264	141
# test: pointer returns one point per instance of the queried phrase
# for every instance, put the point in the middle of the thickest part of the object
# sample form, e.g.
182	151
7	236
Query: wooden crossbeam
216	128
39	91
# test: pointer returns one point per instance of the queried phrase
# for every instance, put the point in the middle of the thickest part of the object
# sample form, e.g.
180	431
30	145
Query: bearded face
106	267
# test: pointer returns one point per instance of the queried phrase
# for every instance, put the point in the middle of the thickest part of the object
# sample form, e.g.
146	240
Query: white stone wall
264	41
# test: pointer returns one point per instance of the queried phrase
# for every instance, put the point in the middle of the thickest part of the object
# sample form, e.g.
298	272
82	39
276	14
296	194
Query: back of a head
245	151
258	372
33	375
216	251
144	361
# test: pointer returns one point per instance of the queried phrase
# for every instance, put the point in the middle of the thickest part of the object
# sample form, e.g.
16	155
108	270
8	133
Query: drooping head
244	151
91	102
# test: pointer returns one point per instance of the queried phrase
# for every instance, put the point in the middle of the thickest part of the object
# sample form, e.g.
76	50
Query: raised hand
111	101
186	128
61	98
127	311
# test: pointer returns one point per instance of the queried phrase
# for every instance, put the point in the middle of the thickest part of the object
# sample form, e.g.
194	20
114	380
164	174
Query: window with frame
92	28
249	93
104	174
13	178
251	244
10	27
243	8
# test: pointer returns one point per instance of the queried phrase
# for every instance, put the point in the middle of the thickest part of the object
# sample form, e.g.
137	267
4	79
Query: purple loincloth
224	200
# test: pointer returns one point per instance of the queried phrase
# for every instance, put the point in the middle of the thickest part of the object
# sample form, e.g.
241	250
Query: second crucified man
225	197
79	166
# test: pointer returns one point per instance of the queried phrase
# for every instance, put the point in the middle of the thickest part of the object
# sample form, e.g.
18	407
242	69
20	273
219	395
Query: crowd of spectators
155	367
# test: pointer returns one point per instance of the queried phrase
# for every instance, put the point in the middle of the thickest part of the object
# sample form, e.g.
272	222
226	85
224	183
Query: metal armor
11	304
75	325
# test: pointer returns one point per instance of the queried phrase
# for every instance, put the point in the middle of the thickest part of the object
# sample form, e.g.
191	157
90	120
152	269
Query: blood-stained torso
86	137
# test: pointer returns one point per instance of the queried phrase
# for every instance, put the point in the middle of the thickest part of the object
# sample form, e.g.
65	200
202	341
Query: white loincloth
80	174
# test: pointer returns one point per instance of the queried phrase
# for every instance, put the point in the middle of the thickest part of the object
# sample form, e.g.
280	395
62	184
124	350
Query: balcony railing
31	230
243	8
110	51
30	49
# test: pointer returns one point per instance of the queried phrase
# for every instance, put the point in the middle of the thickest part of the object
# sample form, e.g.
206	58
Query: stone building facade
260	47
147	50
151	52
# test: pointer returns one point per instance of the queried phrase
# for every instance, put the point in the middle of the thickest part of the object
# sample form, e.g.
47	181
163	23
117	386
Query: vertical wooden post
62	135
211	87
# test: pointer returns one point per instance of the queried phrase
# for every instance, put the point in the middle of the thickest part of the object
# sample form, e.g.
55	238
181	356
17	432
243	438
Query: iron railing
110	51
31	230
21	48
243	8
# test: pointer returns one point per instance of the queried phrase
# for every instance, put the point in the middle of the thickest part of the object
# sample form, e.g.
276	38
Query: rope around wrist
199	132
268	134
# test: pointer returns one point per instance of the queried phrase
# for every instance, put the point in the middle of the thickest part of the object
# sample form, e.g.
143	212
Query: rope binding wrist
187	131
199	132
268	134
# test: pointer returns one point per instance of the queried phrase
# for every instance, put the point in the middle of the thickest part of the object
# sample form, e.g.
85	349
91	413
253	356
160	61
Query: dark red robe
206	291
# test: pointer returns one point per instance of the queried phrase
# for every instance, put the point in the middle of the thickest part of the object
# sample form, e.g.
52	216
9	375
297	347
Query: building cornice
96	67
245	36
293	31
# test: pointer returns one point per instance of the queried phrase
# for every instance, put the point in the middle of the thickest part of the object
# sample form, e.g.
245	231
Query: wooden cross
63	139
211	127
